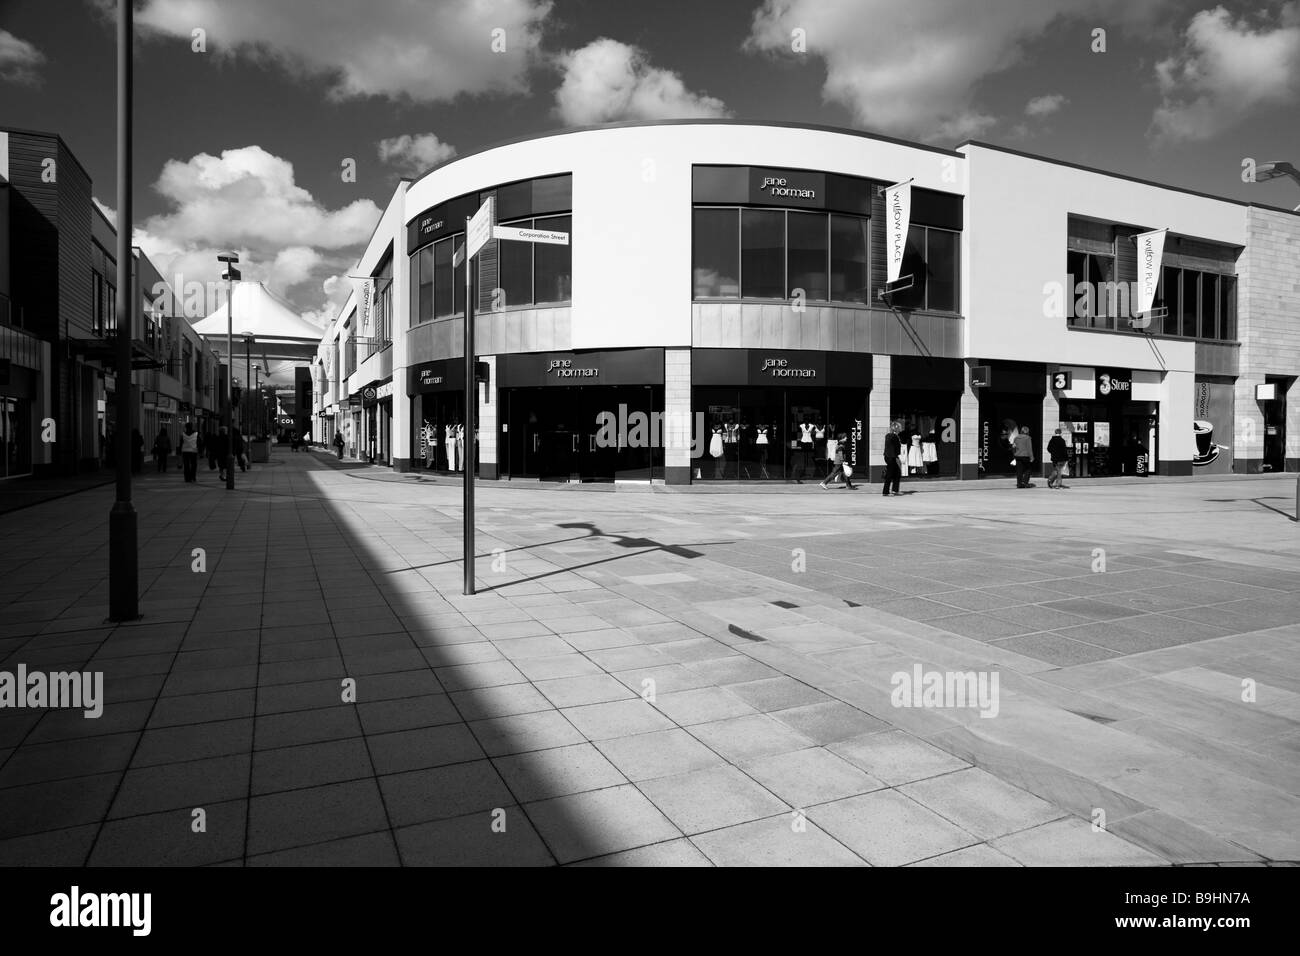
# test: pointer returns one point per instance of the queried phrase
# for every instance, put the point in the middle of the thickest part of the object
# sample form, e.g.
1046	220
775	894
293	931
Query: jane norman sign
563	368
429	224
779	186
780	368
428	378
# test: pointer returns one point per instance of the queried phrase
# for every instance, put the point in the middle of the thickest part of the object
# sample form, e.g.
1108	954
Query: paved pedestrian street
659	677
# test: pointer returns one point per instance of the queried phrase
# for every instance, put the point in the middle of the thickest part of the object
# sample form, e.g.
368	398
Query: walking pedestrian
1024	453
162	447
219	449
237	447
137	451
210	449
338	443
893	449
842	469
1059	452
190	452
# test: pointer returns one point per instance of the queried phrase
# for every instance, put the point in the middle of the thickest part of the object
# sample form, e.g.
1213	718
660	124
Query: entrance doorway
1110	439
1275	425
583	433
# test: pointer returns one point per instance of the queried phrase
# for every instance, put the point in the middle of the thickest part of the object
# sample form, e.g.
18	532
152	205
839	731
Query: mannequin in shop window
716	450
460	447
821	453
449	435
915	458
804	459
430	436
760	445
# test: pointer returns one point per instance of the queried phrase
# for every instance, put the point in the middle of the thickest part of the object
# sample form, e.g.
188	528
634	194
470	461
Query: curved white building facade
717	313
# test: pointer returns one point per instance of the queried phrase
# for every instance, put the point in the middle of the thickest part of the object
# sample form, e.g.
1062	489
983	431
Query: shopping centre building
717	314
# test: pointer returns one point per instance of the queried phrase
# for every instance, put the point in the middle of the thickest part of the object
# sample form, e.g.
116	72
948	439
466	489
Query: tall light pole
248	377
1276	170
257	391
231	274
123	558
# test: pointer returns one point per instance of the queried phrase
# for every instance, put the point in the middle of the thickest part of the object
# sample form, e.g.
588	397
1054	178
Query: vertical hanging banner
1150	249
363	287
898	213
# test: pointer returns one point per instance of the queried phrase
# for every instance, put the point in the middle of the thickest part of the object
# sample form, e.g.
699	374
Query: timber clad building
717	314
58	301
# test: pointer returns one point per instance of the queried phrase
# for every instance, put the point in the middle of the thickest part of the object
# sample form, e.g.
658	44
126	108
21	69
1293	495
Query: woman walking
162	447
842	468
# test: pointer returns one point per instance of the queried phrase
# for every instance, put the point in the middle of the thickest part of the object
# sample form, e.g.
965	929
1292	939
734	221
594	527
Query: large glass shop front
582	416
1112	434
769	415
437	392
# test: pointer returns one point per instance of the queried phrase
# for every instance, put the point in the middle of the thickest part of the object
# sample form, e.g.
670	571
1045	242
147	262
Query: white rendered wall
632	207
1015	243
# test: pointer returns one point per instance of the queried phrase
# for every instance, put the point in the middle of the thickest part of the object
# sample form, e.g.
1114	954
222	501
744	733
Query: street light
257	390
231	275
123	557
1277	170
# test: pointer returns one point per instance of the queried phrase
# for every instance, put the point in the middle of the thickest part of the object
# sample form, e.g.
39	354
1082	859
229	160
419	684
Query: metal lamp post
231	274
1277	170
123	558
257	392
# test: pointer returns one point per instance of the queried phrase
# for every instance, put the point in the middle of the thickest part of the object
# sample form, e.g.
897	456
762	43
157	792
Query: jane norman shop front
593	416
772	415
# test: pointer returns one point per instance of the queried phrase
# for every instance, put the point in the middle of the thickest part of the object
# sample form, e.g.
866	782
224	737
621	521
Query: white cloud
1045	105
607	81
246	200
421	50
19	60
912	69
413	155
1226	70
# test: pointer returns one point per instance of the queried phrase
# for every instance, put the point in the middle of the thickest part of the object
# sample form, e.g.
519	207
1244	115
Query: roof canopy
262	314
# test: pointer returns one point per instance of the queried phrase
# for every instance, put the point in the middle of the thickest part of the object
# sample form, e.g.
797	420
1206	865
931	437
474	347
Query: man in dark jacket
219	449
893	473
238	448
1023	448
1059	452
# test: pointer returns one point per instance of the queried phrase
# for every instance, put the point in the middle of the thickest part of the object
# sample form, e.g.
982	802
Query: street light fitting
1275	170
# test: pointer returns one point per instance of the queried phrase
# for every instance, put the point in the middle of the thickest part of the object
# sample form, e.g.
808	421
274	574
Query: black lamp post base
123	574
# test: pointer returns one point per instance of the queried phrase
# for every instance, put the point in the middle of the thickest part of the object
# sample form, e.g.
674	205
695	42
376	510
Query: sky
247	111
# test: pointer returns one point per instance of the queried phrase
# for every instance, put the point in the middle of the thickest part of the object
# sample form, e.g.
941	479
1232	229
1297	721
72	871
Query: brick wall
1268	321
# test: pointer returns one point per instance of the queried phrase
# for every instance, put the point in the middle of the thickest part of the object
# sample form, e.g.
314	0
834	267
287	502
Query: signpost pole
471	401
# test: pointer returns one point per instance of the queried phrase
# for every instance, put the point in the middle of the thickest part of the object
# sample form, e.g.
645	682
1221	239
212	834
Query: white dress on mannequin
914	457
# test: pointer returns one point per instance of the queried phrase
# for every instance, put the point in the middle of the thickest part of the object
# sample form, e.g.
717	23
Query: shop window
809	247
515	267
1095	297
1189	300
762	254
553	194
849	262
1170	297
1228	307
716	251
941	260
913	265
424	279
553	264
448	283
1209	306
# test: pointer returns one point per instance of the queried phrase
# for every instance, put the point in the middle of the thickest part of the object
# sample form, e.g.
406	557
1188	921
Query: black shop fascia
776	415
555	408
